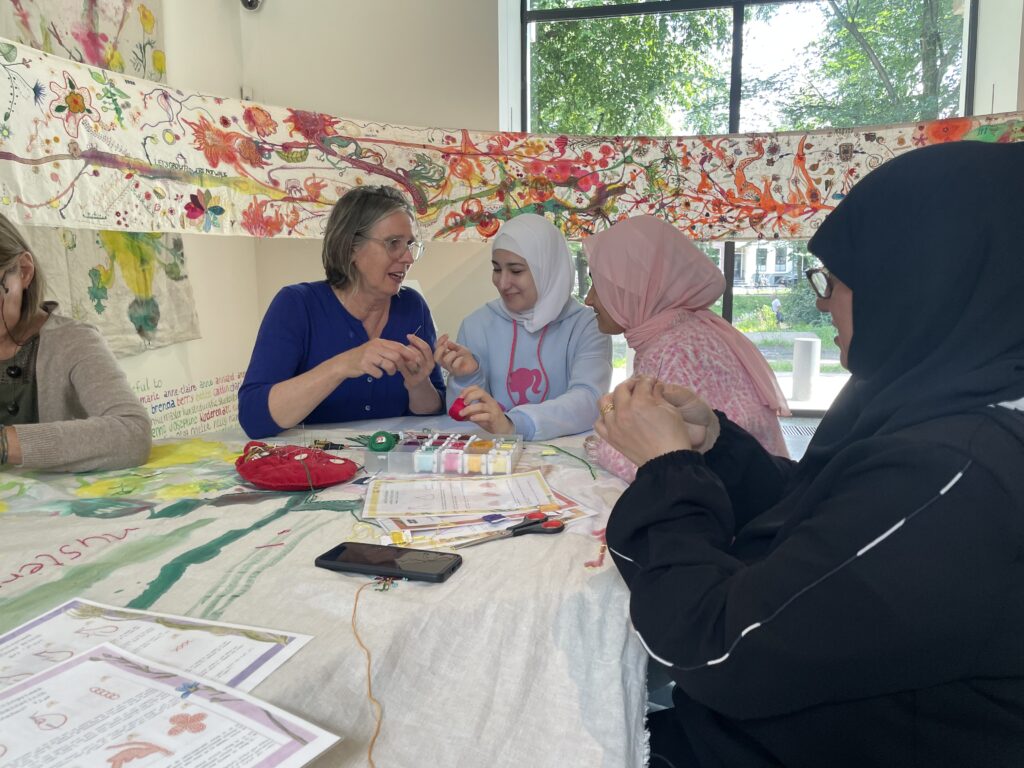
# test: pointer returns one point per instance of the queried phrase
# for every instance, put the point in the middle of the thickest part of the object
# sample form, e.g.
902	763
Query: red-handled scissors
533	522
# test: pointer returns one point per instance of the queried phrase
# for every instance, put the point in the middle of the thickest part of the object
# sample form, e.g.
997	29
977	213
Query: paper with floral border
107	707
230	654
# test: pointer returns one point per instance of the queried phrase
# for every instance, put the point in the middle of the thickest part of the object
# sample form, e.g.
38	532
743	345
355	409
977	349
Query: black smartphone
399	562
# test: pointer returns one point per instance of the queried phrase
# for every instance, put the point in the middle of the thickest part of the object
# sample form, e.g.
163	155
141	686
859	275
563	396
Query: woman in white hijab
533	361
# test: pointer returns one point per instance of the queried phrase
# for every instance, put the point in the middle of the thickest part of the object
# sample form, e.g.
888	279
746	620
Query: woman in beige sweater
65	404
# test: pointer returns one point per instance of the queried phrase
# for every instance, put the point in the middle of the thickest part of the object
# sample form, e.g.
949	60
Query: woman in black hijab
864	607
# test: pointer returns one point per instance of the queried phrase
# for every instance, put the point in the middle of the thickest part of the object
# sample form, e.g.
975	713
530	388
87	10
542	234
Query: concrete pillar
806	364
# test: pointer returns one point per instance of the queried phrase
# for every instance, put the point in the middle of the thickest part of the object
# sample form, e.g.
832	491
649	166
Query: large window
683	67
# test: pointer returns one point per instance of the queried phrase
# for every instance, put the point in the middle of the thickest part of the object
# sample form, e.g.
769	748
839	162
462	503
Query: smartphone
399	562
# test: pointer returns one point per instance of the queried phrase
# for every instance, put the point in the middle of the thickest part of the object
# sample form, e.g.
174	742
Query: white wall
203	44
407	62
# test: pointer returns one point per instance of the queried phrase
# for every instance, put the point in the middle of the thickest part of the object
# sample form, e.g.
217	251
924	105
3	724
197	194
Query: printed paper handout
108	707
230	654
452	495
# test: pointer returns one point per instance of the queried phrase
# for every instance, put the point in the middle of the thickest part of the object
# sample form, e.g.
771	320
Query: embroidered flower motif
203	205
187	723
259	120
187	689
72	105
5	132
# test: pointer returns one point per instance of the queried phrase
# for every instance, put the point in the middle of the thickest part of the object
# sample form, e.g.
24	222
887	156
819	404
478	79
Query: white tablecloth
525	657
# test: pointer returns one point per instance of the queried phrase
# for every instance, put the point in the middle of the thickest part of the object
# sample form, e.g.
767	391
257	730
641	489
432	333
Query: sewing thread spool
382	442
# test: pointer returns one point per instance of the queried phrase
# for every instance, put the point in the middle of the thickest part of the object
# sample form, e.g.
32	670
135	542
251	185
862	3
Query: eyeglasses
821	281
396	246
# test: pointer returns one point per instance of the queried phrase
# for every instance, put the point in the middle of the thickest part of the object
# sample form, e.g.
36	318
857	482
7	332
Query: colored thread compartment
445	453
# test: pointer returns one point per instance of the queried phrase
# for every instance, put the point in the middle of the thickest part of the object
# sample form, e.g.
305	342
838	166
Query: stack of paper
437	511
92	684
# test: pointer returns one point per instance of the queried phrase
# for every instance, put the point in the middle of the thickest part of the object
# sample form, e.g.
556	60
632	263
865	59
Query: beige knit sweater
89	418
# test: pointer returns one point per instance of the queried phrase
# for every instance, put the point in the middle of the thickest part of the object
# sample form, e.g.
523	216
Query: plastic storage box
447	453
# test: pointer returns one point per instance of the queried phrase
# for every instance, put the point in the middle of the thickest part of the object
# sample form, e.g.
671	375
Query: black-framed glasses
821	281
396	246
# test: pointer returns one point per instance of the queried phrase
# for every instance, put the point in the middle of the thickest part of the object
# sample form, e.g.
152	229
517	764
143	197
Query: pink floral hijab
646	272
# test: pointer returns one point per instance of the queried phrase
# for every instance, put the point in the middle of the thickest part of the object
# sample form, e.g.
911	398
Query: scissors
533	522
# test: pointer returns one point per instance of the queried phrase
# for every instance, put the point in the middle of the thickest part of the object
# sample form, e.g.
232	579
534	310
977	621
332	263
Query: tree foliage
630	75
880	61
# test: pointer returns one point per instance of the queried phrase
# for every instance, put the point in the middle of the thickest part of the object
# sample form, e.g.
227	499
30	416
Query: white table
525	657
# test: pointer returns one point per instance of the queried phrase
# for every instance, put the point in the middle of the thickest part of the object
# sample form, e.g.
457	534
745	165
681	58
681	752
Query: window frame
526	17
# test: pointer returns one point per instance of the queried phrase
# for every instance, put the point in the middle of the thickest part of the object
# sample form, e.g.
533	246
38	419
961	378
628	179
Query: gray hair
355	213
12	245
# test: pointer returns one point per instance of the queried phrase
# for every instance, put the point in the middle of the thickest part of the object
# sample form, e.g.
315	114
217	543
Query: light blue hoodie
550	386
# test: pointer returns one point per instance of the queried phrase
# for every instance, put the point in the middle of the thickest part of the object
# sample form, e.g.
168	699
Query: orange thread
599	560
378	712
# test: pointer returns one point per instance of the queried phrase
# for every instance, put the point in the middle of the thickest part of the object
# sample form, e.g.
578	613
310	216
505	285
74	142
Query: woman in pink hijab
651	283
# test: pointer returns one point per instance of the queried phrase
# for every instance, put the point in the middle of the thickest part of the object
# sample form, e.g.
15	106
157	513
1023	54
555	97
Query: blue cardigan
306	325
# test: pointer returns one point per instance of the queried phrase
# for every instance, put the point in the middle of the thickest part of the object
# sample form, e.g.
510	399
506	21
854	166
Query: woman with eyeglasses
862	607
65	403
532	361
356	345
651	283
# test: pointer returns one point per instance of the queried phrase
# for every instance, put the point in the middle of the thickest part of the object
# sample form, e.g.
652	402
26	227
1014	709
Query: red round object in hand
456	409
292	467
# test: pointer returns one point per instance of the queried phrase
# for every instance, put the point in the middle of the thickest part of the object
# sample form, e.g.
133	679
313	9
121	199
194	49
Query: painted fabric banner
120	35
131	285
89	148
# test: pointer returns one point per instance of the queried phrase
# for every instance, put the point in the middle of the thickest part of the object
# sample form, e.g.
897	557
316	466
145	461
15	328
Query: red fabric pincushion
457	405
292	467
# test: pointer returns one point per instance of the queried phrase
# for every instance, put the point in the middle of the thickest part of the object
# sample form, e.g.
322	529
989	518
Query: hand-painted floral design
259	120
187	689
218	146
159	62
312	126
147	19
184	723
72	104
278	171
257	223
953	129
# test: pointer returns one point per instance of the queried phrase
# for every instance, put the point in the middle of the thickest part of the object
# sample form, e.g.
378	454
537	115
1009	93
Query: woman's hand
417	365
701	421
485	411
376	358
455	358
639	422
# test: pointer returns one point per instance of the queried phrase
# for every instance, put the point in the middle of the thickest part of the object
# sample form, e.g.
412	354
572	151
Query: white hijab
542	246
